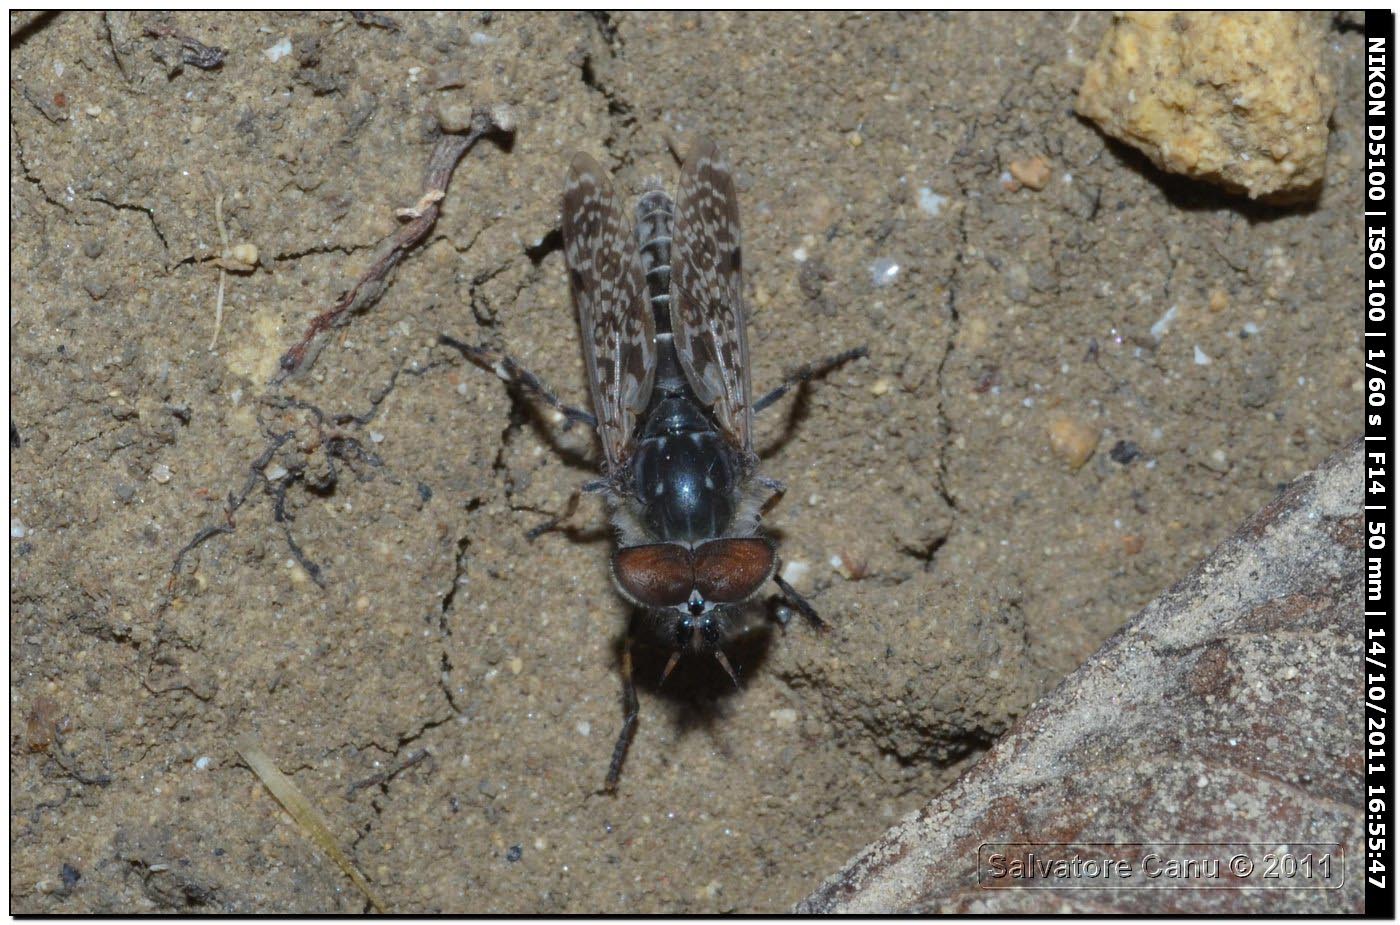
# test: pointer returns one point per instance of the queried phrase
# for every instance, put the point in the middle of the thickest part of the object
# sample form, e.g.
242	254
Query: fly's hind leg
806	372
629	719
513	373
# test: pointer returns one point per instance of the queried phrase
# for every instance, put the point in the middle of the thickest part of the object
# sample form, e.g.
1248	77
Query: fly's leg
629	720
806	372
798	376
800	602
570	507
513	373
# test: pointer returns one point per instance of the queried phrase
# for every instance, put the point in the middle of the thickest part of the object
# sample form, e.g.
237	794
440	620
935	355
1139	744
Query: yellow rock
1241	100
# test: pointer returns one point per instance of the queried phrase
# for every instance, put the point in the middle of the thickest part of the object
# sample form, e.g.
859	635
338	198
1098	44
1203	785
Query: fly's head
693	589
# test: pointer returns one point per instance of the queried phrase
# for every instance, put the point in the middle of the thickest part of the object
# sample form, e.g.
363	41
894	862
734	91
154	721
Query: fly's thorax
685	476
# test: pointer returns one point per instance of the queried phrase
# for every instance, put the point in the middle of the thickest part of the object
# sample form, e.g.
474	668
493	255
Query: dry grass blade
306	816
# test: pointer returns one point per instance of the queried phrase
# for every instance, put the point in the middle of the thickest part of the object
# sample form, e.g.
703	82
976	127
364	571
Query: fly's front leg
806	372
513	373
800	602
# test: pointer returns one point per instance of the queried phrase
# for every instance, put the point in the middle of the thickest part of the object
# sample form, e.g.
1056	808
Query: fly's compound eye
730	571
657	575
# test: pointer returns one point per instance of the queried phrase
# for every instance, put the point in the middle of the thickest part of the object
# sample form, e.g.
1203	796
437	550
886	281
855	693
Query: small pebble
1073	440
849	567
584	727
160	473
794	571
1219	300
202	763
1200	356
884	271
503	115
279	51
1124	452
516	665
880	387
18	530
71	875
931	203
514	853
246	254
785	716
1033	172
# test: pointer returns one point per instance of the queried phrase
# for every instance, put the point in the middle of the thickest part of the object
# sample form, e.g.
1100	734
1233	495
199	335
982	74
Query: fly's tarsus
806	373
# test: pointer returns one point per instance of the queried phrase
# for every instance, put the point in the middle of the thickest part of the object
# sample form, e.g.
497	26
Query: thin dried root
305	815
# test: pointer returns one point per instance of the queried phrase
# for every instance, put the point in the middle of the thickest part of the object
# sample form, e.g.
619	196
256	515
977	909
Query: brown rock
1225	712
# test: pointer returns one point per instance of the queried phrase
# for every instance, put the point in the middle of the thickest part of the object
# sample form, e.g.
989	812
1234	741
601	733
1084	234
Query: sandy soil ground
450	695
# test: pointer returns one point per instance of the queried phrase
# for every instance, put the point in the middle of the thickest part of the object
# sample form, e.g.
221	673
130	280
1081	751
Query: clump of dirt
370	612
935	670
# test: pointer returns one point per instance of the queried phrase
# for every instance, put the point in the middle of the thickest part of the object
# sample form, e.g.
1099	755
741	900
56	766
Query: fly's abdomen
654	217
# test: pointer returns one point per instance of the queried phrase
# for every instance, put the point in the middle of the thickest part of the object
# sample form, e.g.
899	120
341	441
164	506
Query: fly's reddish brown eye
657	575
729	571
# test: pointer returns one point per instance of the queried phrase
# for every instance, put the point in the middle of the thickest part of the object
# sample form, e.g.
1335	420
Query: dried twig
384	776
388	253
192	51
367	18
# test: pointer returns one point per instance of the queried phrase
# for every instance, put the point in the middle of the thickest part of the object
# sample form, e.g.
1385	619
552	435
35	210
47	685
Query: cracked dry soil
449	697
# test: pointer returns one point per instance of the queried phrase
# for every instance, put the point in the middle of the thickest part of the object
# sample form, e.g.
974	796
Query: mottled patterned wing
609	290
707	312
